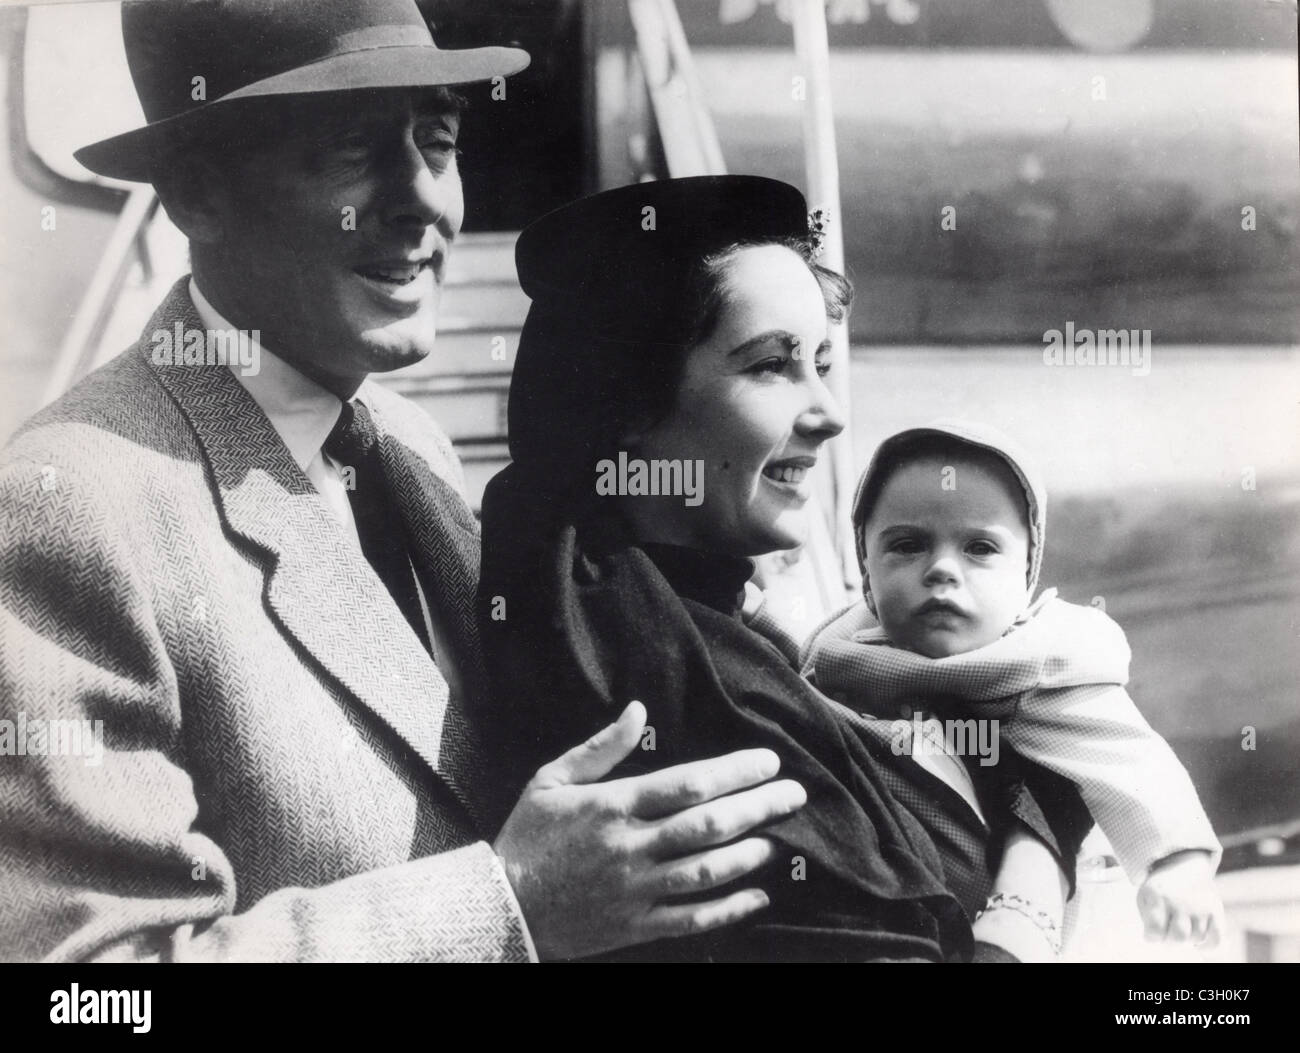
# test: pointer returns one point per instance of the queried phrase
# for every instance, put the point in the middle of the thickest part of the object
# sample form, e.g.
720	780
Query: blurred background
1005	167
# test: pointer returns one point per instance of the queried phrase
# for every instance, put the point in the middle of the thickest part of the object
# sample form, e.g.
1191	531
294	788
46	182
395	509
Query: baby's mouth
940	607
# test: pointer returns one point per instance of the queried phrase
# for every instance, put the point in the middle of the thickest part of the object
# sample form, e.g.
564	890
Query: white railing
126	246
686	129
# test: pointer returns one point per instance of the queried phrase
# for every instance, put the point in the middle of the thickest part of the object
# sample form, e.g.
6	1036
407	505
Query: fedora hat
250	49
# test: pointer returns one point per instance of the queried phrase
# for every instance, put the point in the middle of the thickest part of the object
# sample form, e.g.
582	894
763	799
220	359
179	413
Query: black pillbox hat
623	258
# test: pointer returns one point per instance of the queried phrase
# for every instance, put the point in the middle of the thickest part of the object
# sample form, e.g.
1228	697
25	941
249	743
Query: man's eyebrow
786	338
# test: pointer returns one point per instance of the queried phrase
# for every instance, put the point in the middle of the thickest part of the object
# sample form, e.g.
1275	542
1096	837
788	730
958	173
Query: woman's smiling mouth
786	474
790	474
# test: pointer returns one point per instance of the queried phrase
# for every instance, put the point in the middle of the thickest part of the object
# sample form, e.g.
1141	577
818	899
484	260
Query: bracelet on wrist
1043	921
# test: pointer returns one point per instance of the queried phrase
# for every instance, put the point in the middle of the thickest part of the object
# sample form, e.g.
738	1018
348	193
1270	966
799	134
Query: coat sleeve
100	855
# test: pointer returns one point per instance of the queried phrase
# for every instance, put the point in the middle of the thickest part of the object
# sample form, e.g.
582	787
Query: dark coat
593	620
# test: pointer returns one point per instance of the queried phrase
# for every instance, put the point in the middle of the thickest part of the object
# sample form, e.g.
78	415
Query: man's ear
192	194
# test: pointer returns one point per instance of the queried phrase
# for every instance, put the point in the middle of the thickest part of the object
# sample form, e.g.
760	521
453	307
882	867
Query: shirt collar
301	411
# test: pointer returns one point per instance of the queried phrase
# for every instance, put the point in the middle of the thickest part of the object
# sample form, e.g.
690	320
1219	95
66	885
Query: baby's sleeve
1136	788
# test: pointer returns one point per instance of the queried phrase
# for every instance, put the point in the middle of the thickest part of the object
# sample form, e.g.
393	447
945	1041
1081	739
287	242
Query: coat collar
323	594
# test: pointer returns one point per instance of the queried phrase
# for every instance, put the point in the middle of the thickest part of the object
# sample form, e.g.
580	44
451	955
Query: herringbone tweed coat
284	776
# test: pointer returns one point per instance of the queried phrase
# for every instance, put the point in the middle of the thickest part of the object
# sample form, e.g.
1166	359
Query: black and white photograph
712	481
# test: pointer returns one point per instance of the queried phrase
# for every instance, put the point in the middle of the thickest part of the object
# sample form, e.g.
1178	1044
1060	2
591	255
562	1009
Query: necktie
354	443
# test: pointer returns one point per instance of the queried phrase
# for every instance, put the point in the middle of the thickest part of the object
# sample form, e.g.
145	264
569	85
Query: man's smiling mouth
394	273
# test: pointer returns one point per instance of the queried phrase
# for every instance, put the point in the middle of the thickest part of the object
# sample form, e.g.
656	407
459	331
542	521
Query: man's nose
418	196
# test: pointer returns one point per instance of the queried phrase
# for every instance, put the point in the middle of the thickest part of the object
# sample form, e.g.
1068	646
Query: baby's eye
982	548
905	546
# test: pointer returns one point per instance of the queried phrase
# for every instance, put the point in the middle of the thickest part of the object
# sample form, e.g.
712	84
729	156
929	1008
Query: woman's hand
592	863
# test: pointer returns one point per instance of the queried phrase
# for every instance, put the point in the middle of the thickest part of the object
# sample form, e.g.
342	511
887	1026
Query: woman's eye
823	368
770	365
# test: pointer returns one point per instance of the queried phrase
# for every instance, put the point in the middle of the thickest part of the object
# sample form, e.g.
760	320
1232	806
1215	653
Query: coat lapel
321	590
445	548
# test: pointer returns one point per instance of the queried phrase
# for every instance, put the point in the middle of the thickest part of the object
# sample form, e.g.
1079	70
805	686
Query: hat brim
129	156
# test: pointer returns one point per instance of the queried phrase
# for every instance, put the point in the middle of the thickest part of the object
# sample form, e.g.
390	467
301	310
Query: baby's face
947	566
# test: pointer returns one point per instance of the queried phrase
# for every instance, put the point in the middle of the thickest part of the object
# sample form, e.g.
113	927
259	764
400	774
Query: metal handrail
125	247
690	140
29	166
1280	831
812	49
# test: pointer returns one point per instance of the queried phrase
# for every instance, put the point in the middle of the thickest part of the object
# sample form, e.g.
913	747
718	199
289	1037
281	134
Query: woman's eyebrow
786	338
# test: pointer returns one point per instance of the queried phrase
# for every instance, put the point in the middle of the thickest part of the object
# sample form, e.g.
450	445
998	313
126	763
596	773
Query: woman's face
753	406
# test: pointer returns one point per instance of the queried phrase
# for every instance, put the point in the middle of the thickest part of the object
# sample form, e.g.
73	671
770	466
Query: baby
949	521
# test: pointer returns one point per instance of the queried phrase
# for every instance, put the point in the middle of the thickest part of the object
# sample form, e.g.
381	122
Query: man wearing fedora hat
253	593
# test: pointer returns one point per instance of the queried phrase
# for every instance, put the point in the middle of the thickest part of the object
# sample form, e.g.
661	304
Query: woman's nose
822	419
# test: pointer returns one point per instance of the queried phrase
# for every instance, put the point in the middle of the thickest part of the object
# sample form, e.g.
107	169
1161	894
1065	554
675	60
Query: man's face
947	554
334	237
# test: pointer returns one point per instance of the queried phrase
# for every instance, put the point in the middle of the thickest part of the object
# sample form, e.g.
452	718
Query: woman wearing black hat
667	405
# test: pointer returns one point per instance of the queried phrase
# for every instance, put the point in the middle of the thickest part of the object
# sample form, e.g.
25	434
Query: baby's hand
1178	900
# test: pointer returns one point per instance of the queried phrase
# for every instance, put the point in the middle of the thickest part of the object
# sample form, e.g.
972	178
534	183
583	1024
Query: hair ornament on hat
818	224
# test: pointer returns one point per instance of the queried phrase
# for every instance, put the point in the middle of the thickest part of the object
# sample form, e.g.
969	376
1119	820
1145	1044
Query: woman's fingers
725	819
712	869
